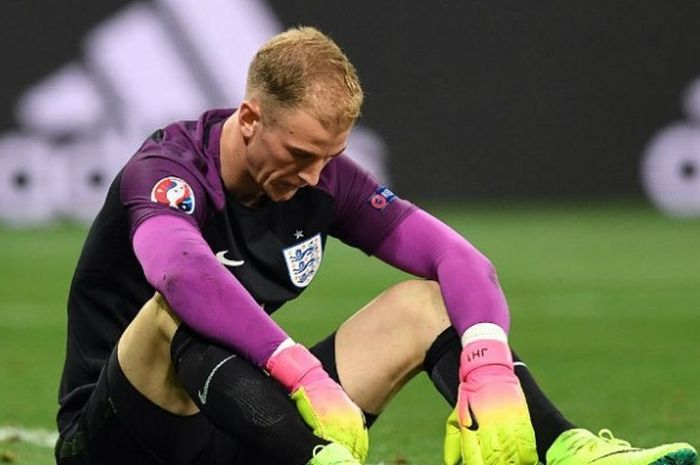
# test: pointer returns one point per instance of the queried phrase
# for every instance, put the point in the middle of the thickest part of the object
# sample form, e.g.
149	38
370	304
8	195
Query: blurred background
465	100
563	138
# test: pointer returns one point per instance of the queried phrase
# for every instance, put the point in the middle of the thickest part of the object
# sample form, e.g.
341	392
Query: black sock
442	365
241	399
547	421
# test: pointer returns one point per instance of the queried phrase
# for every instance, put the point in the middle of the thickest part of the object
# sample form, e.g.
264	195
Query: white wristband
287	343
484	331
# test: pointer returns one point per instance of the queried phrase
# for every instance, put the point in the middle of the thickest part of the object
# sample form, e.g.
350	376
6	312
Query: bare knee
422	309
413	312
144	356
165	320
384	344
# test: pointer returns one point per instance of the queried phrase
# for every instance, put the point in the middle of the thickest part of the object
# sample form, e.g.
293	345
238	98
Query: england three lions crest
303	260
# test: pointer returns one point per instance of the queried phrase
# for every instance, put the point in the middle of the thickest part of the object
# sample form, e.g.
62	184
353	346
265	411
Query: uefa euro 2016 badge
175	193
381	198
303	260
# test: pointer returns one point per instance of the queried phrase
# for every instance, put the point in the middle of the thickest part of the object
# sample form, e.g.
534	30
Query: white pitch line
39	437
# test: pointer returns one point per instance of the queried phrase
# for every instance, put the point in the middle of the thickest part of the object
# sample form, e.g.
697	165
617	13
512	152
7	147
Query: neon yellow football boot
581	447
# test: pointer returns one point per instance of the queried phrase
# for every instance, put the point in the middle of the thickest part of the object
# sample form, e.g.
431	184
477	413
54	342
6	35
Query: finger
472	453
452	453
361	448
308	414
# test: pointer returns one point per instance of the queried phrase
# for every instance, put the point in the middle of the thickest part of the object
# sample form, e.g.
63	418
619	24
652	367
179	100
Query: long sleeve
201	291
424	246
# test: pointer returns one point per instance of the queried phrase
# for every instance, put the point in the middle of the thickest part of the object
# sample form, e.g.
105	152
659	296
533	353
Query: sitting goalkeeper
172	357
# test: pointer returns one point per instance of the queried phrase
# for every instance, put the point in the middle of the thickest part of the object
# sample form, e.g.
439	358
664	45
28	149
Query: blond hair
303	68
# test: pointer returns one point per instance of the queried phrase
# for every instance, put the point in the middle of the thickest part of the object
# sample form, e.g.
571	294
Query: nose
312	173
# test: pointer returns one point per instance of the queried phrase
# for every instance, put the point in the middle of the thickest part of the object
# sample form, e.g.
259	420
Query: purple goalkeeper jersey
274	249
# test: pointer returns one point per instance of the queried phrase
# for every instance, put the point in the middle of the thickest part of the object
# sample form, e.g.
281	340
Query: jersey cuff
482	331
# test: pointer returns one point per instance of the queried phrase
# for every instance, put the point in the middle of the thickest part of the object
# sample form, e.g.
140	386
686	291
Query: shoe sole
678	457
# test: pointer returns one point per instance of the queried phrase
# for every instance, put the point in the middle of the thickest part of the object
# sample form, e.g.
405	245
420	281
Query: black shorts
119	426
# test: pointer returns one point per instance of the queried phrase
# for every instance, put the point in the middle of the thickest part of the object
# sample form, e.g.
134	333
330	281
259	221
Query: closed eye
302	154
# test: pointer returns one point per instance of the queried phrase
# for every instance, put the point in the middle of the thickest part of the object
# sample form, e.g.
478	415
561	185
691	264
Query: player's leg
382	346
403	331
386	343
442	365
118	425
558	440
231	393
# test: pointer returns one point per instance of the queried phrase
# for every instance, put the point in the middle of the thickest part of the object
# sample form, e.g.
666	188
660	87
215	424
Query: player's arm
369	216
178	263
167	200
490	423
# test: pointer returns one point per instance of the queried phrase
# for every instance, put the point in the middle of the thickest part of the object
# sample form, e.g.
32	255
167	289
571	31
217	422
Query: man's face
288	152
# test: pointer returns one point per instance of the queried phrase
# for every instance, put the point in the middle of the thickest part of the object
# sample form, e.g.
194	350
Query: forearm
425	247
201	292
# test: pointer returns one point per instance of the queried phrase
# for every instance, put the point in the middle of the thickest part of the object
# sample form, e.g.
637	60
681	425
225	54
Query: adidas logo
149	64
671	162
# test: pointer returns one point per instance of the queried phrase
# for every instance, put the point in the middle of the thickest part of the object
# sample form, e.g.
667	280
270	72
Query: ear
249	118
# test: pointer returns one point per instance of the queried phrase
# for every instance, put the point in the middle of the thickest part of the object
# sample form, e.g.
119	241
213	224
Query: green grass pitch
605	303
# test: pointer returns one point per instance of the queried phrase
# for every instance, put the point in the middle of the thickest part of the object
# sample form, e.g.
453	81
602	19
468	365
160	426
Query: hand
322	403
491	423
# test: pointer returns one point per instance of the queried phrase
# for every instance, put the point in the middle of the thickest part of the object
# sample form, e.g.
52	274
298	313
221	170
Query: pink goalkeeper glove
491	423
322	403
